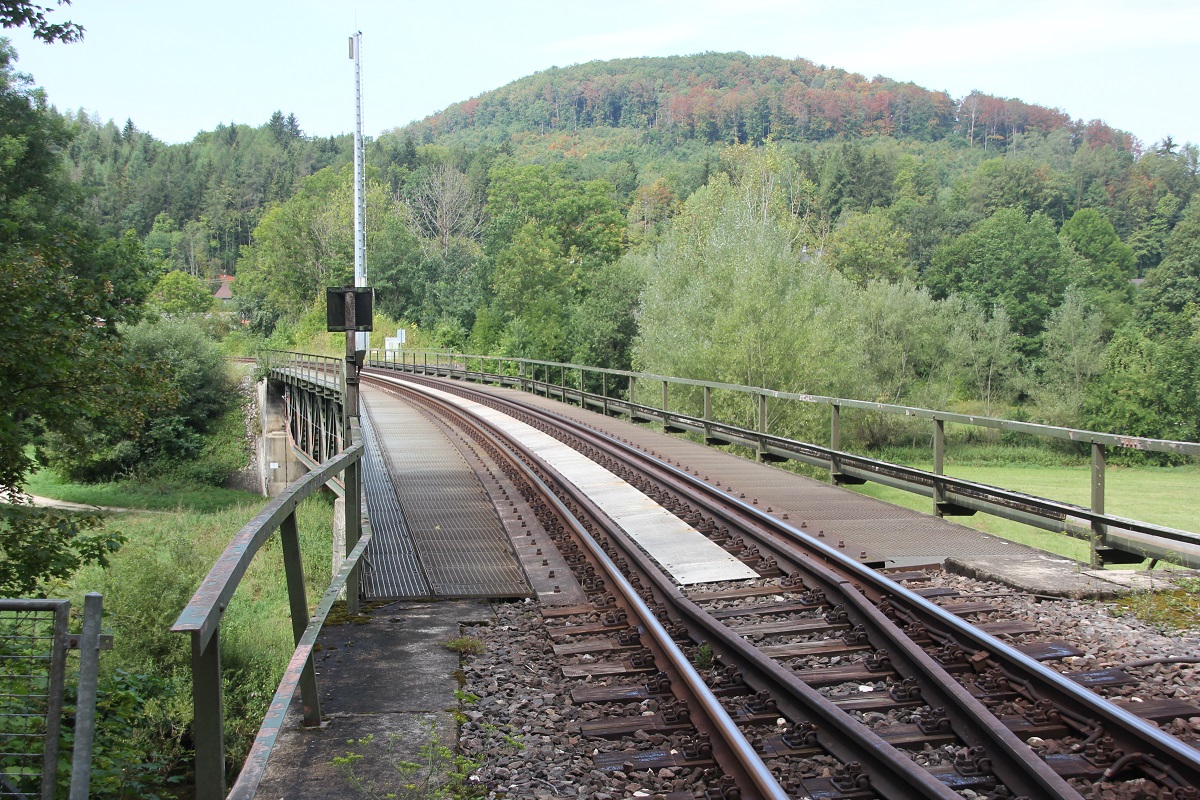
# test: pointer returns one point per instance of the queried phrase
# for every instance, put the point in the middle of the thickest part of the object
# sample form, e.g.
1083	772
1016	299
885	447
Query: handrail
202	617
202	614
310	366
1108	535
979	421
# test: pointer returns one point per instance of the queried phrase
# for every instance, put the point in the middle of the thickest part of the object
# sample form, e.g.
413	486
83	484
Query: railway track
819	678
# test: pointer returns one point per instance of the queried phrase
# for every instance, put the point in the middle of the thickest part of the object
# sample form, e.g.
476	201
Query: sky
177	67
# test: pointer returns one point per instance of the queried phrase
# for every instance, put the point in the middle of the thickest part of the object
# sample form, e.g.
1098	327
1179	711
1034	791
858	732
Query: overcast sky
176	67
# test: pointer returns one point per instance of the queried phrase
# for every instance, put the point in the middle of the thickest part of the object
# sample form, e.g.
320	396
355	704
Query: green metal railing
202	620
613	391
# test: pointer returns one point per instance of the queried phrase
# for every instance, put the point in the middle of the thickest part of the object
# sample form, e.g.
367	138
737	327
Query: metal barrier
1111	538
33	664
321	372
202	619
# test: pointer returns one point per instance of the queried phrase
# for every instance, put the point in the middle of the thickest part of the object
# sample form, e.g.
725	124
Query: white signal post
360	238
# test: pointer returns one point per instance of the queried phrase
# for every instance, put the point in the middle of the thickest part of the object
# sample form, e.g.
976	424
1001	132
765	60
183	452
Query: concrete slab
1039	572
387	690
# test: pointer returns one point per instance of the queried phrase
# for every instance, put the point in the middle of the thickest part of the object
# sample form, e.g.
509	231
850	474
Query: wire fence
32	665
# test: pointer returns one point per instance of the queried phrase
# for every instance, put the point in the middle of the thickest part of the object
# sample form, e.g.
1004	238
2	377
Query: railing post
835	441
604	390
293	568
664	403
939	462
54	699
708	404
208	725
762	425
353	479
1098	528
85	704
631	383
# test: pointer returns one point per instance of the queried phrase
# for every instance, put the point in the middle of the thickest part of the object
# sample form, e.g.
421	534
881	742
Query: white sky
177	67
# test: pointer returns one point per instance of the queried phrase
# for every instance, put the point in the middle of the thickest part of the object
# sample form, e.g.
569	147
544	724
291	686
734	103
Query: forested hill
734	97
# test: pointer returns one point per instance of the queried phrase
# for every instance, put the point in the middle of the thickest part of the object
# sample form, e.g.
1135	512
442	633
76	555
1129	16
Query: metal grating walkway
455	532
393	568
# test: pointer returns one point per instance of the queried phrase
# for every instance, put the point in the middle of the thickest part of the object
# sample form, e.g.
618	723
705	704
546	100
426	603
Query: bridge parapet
202	619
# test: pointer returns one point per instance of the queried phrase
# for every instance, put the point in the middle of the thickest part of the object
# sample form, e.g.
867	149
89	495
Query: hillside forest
726	217
720	216
751	220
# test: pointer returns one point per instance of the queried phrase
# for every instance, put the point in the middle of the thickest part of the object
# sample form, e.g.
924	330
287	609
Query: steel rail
892	773
1013	762
1133	733
735	754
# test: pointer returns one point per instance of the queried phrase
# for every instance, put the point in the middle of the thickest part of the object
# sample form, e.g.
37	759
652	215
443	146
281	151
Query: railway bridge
636	513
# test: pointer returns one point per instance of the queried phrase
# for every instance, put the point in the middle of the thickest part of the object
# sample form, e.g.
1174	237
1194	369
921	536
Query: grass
1161	495
156	495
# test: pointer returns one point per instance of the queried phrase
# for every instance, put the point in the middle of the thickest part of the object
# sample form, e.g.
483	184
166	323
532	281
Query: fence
34	641
637	394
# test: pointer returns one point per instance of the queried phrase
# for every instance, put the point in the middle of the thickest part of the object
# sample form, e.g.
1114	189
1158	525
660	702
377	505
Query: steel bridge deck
437	533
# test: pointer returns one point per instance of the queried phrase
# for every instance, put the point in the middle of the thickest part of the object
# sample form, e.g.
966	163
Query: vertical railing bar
293	568
208	724
353	479
939	462
85	704
1099	529
762	425
54	701
835	441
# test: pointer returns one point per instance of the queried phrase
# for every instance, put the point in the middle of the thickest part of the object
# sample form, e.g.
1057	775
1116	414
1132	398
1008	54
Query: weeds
440	774
704	656
1171	610
465	645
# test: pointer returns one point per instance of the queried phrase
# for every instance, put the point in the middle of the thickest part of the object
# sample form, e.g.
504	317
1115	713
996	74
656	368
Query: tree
1099	265
444	206
1170	297
66	289
19	13
305	244
868	246
1007	260
179	293
728	299
1149	387
985	350
1072	355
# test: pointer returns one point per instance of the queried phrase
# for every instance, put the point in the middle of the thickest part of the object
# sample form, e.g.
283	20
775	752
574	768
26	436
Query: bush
186	389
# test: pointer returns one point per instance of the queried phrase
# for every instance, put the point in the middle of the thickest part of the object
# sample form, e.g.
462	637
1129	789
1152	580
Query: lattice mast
360	236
